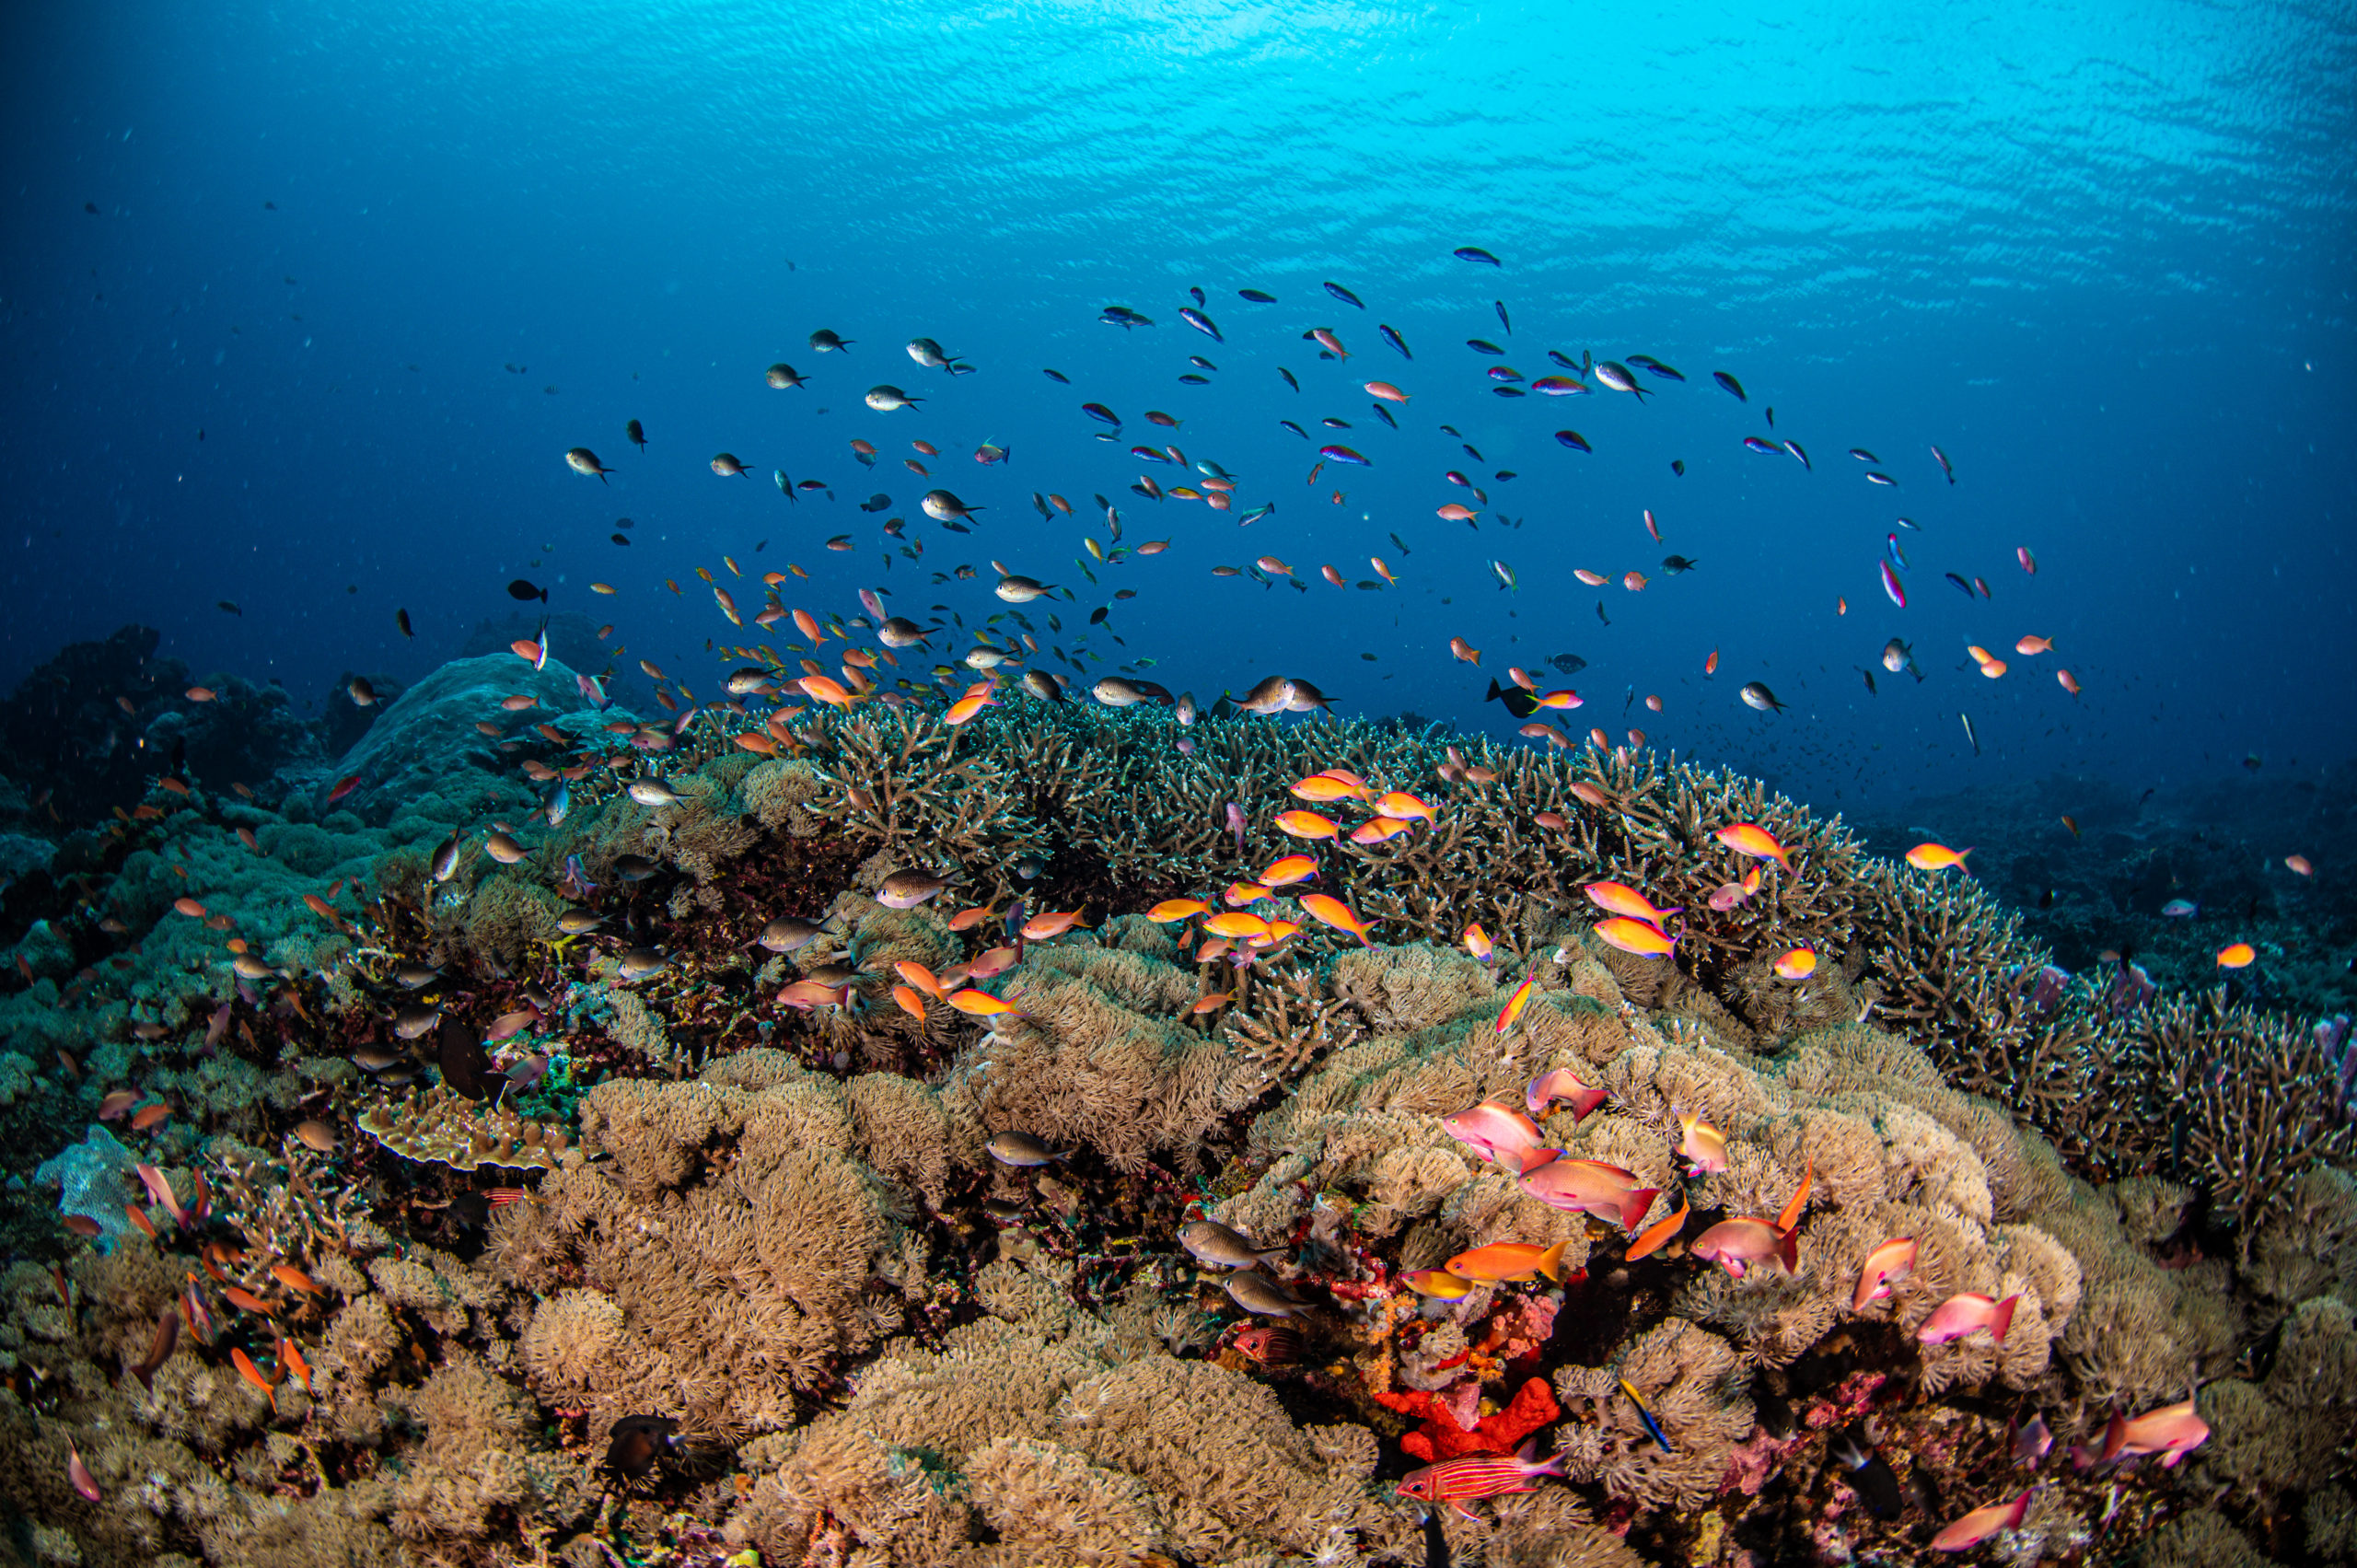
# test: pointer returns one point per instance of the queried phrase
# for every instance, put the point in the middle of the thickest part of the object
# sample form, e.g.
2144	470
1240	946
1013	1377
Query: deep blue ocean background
2101	254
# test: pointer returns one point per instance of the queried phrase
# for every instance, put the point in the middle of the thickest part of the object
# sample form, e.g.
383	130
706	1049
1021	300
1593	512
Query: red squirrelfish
1480	1475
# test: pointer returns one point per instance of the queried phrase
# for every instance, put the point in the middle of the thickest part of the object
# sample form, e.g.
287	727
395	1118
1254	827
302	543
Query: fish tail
2002	1317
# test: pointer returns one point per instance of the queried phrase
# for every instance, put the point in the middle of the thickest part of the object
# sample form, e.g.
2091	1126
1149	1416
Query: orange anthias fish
1325	786
1936	857
1333	912
1512	1011
981	1004
1171	910
1504	1261
1751	839
1307	825
1238	894
1402	807
1658	1234
1793	1209
1615	898
1052	923
1290	869
1477	942
2236	956
1798	964
1235	922
2031	646
1739	1244
1464	650
1438	1283
1636	937
910	1002
1380	830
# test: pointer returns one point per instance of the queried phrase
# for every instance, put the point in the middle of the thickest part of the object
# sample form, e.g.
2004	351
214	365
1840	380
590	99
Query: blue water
2101	254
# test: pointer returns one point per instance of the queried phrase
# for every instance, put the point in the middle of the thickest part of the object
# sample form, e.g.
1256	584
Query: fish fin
1788	1248
2002	1318
1551	1262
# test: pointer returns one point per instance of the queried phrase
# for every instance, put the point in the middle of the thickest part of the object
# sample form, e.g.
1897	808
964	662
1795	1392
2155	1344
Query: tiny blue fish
1256	297
1475	253
1391	335
1653	1427
1345	296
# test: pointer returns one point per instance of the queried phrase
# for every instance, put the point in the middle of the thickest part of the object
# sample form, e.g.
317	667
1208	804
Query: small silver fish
642	963
786	933
653	792
1213	1243
1020	1149
906	889
414	1020
1255	1292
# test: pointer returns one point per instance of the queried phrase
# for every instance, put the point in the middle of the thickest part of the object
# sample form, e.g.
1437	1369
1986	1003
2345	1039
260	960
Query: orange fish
966	920
825	688
1335	913
1238	894
966	707
138	1217
1406	807
1171	910
1658	1234
1290	869
916	974
1636	937
1477	942
1703	1145
1710	664
982	1003
1793	1209
290	1356
1325	786
1593	579
1798	964
2030	646
1633	581
1465	651
1615	898
1456	512
1751	839
2068	682
2236	956
2299	865
910	1002
1049	923
1387	392
1516	1003
1306	825
1380	830
1382	571
1331	344
189	908
1213	1003
148	1117
295	1279
253	1374
1438	1283
1235	922
1936	857
1504	1262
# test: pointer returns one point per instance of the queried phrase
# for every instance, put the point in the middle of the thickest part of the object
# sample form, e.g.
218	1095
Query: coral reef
452	1173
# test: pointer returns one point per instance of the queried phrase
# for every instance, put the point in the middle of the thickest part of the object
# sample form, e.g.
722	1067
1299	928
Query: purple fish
1891	586
1235	825
595	690
218	1028
575	883
1343	454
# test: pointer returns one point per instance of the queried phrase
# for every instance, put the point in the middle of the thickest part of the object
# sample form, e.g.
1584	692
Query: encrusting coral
485	1168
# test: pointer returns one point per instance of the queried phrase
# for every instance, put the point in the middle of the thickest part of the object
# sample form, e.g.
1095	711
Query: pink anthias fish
1591	1185
1498	1133
1980	1523
1885	1267
1235	825
1744	1242
2172	1431
1562	1084
1967	1313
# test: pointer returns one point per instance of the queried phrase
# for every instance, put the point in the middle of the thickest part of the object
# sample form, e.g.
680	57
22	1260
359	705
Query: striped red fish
1480	1475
